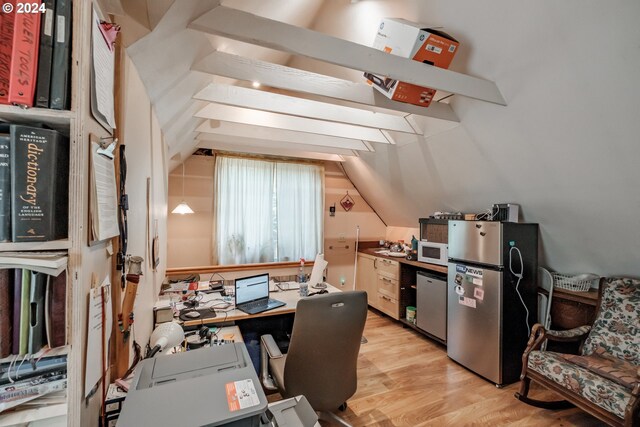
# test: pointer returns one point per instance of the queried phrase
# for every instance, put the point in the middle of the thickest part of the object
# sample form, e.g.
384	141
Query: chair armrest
636	388
270	345
539	335
268	350
574	334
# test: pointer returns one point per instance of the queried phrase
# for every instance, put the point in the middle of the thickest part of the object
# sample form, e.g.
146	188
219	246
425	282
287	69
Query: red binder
24	62
6	42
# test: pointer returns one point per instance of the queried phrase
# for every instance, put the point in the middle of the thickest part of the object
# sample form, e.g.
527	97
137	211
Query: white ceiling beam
253	29
273	152
279	135
295	80
277	103
255	146
282	121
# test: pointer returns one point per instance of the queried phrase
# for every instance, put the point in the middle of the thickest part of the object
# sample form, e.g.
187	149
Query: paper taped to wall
318	269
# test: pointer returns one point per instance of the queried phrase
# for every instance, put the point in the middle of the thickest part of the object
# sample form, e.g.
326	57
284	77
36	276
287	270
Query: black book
39	184
60	74
5	184
45	55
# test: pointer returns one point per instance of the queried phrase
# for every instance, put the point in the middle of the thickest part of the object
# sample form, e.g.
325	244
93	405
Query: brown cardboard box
418	42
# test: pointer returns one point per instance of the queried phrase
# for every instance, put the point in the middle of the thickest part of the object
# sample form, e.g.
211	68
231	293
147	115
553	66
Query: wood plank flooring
406	379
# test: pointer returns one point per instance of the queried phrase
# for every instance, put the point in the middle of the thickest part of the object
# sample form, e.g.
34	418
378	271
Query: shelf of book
59	120
52	245
44	352
26	415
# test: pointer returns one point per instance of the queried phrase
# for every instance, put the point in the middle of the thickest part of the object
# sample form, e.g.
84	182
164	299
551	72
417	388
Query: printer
210	386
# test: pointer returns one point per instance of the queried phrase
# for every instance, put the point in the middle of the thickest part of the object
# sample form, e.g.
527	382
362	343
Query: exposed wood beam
249	28
224	143
279	135
255	142
282	121
277	103
292	79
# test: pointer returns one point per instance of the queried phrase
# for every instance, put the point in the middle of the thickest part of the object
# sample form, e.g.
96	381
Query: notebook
252	294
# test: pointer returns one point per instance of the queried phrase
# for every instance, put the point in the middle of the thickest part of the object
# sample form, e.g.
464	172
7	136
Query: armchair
604	379
323	352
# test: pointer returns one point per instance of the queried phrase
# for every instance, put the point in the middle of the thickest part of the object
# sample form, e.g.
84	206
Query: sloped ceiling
565	147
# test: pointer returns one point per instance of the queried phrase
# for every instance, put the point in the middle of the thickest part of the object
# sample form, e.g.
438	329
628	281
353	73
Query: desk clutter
189	299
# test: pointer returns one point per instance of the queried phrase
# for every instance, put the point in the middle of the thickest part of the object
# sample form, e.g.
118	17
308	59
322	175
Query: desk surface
289	297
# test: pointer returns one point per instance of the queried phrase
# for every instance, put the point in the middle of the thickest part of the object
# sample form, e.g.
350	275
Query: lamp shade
182	208
166	335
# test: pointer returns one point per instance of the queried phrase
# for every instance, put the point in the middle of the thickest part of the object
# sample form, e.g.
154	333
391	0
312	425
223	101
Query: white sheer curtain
266	211
299	208
244	210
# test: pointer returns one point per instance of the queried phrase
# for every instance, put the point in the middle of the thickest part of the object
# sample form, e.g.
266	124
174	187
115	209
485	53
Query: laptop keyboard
255	304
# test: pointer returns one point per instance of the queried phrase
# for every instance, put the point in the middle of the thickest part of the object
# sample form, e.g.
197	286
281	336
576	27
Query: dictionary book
39	184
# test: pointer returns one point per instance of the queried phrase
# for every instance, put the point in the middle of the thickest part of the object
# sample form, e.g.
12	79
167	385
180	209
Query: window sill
229	268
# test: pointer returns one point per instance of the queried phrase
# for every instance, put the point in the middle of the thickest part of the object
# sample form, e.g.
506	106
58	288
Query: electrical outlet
342	281
342	238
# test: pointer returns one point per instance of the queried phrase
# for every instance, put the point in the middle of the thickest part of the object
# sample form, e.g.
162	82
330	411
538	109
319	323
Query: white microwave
433	253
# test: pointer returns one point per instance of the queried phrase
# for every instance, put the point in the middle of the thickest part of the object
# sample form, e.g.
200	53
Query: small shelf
36	246
45	352
41	413
59	120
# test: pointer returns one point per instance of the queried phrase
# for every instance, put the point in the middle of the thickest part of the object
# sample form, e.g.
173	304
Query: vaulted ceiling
564	146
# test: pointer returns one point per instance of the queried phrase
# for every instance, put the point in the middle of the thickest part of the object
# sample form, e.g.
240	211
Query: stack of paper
51	263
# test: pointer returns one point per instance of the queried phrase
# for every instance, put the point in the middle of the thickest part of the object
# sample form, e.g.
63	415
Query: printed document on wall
94	365
102	73
104	199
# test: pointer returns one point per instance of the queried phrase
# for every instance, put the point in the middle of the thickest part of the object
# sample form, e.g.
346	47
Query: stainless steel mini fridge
431	305
487	323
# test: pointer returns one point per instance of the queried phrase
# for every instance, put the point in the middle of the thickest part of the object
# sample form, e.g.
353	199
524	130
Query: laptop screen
252	288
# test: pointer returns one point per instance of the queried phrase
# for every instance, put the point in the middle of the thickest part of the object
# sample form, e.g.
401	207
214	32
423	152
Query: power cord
519	276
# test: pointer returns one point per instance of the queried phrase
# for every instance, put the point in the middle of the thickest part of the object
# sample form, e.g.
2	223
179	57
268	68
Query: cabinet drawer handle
384	279
385	298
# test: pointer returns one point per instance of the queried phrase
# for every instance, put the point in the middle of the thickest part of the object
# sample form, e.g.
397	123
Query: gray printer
210	386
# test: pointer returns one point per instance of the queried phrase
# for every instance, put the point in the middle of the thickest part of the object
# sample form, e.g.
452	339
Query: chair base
555	404
332	418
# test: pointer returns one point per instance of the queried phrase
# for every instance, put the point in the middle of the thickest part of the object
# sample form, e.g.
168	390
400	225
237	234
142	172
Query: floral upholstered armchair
604	379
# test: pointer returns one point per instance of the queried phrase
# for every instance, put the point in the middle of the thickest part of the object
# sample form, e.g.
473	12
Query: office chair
323	352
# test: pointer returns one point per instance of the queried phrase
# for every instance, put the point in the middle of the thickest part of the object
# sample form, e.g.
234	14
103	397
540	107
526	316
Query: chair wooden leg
522	396
524	387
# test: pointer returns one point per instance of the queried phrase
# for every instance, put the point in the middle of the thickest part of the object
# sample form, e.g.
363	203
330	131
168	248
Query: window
266	211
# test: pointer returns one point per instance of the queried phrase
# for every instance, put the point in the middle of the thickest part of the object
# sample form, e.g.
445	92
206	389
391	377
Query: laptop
252	294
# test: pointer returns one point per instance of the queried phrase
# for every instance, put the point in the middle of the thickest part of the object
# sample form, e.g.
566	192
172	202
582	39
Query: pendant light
183	207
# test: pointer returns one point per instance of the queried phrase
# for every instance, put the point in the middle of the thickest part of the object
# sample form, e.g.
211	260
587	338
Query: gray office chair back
323	351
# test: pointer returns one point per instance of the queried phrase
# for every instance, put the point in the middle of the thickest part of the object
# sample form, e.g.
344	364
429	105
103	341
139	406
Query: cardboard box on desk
410	40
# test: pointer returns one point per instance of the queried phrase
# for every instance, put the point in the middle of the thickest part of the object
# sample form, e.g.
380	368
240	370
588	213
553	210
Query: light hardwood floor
405	379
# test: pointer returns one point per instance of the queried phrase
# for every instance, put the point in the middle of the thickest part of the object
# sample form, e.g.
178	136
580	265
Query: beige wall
189	236
340	230
395	234
146	159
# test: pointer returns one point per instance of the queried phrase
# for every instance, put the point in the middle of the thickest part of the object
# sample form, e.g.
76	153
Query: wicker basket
575	283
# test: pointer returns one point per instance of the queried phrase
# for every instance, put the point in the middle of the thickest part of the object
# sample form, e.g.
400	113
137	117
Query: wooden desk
290	298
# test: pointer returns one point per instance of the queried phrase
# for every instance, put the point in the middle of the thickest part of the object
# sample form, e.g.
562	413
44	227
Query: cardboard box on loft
418	42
